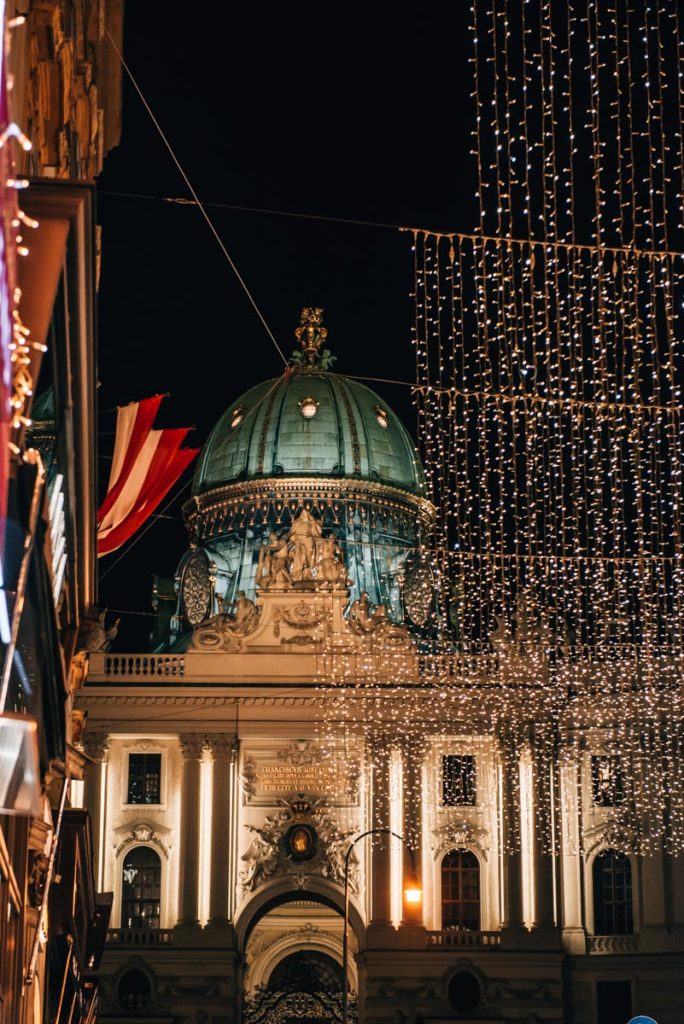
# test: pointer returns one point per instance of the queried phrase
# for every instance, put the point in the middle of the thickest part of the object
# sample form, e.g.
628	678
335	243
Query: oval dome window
308	407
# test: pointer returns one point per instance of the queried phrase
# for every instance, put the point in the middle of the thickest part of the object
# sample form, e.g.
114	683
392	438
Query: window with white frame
612	878
458	780
144	779
606	780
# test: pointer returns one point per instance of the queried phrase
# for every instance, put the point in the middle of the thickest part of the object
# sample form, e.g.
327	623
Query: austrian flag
145	466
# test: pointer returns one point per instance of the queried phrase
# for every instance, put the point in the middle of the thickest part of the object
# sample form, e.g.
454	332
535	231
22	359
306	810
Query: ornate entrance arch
273	895
292	946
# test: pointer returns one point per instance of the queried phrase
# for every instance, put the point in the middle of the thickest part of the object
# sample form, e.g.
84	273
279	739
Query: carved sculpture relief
225	631
460	833
93	634
37	877
267	855
249	777
301	555
304	617
301	753
365	618
306	933
144	831
96	744
368	620
617	833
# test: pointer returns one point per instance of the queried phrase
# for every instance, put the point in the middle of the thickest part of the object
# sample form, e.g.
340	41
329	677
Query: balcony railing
613	944
140	937
464	937
140	666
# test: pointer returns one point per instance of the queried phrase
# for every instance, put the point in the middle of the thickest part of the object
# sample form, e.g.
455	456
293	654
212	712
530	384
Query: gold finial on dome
311	334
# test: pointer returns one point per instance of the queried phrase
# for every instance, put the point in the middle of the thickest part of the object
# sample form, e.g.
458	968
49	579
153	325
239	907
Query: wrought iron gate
302	990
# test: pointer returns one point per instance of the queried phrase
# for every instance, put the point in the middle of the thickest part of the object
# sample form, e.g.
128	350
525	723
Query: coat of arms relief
300	841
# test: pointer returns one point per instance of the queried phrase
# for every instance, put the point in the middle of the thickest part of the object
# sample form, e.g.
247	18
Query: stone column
511	860
379	845
96	746
191	746
223	749
676	869
412	816
652	894
572	917
543	810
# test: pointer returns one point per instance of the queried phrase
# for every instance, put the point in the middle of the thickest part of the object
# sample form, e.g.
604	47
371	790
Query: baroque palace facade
229	789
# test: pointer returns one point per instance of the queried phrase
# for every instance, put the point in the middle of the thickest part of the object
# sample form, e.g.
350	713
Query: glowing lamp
413	893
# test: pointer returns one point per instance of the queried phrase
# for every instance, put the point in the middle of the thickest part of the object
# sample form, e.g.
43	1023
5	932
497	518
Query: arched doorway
293	964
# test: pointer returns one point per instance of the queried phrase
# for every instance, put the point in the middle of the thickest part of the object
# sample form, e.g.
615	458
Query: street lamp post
412	894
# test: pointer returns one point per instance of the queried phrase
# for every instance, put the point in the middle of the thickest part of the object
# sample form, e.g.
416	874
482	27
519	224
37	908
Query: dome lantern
311	335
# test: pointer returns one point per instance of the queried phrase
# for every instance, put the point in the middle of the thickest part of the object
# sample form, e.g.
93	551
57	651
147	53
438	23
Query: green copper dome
310	422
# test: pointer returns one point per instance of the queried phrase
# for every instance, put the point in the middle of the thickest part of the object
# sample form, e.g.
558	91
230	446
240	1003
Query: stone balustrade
613	944
140	937
463	937
137	666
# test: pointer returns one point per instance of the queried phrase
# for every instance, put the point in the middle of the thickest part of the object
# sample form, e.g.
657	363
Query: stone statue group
300	555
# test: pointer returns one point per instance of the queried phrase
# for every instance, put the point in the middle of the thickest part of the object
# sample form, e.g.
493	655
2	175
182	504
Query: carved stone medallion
419	589
196	589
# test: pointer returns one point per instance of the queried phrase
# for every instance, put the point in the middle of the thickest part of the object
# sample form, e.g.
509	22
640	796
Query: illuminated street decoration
549	368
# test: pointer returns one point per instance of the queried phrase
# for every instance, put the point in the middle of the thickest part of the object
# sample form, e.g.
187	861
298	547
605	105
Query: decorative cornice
221	500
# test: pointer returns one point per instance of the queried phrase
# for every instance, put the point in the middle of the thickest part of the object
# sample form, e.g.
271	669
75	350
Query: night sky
369	121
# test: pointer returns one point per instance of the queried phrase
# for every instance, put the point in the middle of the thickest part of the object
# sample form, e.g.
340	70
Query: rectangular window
458	780
144	778
606	780
613	1002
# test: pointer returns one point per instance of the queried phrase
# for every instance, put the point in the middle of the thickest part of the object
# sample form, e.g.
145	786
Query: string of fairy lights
549	369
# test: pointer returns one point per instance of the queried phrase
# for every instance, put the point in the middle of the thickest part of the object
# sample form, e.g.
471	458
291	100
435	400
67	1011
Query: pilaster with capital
512	911
223	748
655	909
96	746
543	766
379	845
572	917
191	747
412	816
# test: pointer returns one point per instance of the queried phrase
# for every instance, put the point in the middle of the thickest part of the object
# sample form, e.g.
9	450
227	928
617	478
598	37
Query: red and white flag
145	466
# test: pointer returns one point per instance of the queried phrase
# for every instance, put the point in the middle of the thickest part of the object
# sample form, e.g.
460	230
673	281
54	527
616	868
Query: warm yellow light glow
396	845
206	791
413	894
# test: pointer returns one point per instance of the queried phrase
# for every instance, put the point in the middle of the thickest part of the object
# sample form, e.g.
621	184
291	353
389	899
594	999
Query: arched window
141	884
306	971
460	890
612	874
135	990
